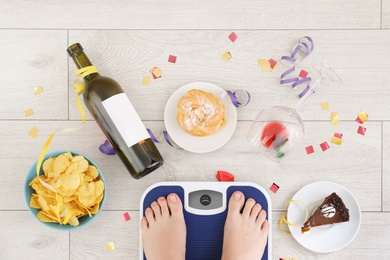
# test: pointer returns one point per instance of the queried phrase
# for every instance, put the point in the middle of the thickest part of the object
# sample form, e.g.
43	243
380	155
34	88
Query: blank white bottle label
125	119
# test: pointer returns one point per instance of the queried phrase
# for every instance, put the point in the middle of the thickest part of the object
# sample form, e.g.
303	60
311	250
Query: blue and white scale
205	210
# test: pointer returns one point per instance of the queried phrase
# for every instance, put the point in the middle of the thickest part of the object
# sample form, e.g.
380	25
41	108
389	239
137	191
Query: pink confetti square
233	37
309	149
172	59
126	216
324	146
272	63
358	120
274	187
303	74
338	135
361	130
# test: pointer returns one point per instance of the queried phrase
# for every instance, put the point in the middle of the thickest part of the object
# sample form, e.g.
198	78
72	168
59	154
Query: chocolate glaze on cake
332	210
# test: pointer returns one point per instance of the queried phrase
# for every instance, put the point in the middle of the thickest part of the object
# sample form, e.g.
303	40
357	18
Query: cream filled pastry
200	113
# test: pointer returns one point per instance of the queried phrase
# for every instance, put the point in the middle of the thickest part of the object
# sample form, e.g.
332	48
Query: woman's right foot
245	234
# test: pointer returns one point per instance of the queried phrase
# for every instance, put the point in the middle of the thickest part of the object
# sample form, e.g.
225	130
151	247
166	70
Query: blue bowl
28	190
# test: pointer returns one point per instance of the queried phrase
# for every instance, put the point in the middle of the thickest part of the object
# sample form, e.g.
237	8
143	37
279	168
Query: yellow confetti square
145	80
110	246
363	116
29	112
38	90
226	56
335	122
265	65
156	72
325	105
33	133
336	140
334	115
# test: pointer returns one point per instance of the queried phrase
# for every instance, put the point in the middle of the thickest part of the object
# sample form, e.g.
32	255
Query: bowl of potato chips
69	192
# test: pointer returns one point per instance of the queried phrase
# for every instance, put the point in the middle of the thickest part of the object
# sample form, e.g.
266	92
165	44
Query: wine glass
277	131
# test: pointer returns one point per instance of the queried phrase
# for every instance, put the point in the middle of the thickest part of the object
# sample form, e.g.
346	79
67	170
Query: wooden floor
125	39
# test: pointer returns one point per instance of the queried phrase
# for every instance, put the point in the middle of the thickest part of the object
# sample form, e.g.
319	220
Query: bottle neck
81	60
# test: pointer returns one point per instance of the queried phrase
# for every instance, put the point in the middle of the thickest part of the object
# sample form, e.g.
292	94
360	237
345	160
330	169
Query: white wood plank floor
125	39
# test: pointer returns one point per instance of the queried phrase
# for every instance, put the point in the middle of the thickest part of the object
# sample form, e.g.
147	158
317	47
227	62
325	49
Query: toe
149	215
265	227
255	211
164	206
175	205
261	217
156	209
236	202
248	207
144	223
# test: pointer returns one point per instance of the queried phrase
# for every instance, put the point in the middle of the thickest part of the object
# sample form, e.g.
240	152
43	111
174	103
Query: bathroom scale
205	206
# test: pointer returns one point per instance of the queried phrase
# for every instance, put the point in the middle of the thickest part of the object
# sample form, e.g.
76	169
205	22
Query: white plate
328	238
199	144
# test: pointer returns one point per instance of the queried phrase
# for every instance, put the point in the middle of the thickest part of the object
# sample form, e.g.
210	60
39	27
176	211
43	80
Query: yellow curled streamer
79	89
283	219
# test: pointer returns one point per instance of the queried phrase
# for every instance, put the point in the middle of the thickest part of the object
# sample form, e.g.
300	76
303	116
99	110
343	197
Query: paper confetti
145	80
324	146
156	72
274	187
110	246
361	130
33	133
336	140
309	149
172	59
303	74
325	106
272	63
362	116
126	216
226	56
338	135
266	65
233	37
334	117
224	176
38	90
29	112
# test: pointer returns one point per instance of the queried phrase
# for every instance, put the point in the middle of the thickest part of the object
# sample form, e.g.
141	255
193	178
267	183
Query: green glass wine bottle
117	118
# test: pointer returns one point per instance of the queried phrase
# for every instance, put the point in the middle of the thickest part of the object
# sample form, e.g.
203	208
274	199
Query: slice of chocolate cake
331	211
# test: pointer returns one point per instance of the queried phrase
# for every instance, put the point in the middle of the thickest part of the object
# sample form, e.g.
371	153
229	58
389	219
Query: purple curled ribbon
166	137
305	45
234	98
106	148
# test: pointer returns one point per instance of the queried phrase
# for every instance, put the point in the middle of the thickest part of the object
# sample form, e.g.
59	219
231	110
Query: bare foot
245	235
164	229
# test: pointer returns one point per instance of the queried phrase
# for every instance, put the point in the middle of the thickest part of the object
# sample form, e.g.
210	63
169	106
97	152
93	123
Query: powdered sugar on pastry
200	113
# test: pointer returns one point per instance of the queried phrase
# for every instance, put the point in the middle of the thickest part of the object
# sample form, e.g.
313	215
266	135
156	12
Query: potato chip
79	190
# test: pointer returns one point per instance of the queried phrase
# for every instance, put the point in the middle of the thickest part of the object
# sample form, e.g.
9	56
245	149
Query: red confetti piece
274	187
126	216
361	130
303	74
358	120
233	37
172	59
309	149
272	63
338	135
324	146
224	176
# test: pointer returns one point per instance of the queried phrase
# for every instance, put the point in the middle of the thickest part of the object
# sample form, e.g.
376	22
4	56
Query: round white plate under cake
199	144
327	238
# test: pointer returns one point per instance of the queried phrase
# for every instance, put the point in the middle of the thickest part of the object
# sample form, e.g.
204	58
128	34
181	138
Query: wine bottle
117	118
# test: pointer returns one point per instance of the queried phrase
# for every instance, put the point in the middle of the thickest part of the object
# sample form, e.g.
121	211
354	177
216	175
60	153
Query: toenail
237	196
161	199
172	198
